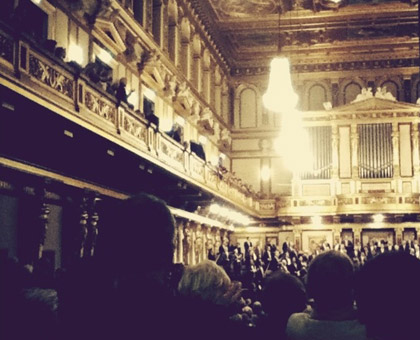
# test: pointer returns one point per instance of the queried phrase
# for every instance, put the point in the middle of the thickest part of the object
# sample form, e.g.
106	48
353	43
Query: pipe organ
375	150
321	149
365	162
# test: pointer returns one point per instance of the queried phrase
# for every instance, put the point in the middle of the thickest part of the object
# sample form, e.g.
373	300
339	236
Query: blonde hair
206	281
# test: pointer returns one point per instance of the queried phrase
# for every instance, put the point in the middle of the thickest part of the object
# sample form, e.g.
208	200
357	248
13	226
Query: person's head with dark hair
330	282
140	230
330	285
388	296
131	272
283	295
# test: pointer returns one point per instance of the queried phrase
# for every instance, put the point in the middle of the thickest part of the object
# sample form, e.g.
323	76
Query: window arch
392	87
248	108
350	92
317	97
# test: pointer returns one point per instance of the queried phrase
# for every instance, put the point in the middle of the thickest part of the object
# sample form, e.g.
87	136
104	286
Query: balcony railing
57	82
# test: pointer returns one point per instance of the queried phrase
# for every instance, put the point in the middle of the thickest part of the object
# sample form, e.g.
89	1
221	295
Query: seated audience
388	296
208	299
283	295
330	285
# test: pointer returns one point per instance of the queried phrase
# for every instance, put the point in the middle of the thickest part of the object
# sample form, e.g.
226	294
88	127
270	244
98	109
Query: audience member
207	298
120	294
388	296
283	295
330	285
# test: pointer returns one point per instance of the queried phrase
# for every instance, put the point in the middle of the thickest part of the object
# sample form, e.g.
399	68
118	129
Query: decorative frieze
196	167
211	177
171	153
345	201
316	202
102	108
135	128
267	206
412	200
379	200
50	76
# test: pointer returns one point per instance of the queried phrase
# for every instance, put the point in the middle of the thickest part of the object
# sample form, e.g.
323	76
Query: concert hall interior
274	131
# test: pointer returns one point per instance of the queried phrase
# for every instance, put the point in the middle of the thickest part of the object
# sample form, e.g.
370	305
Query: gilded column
148	4
196	72
334	144
173	40
354	151
398	235
198	243
334	170
396	149
92	227
193	245
180	229
298	239
357	235
206	76
415	144
337	235
184	48
165	26
186	242
225	100
204	247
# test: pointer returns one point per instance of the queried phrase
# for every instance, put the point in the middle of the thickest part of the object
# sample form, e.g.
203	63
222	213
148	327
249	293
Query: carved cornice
334	66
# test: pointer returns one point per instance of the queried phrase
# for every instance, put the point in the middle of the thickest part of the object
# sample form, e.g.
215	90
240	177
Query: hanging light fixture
280	96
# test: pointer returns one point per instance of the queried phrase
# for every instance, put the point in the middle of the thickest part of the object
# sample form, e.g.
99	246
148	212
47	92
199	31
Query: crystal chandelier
280	97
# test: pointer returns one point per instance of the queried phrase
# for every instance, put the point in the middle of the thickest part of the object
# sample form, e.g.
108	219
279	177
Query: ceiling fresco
253	31
243	9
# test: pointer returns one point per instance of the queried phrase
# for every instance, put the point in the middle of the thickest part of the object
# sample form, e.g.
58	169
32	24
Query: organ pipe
375	151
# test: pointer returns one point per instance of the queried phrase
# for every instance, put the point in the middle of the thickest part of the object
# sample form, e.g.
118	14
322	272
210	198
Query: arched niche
196	45
350	92
392	86
173	33
248	108
206	59
315	91
185	30
345	93
172	13
317	96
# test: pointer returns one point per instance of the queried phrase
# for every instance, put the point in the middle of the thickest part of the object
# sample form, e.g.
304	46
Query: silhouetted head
283	295
388	296
140	234
330	281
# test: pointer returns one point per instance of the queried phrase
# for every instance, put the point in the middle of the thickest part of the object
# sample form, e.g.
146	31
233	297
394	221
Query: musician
267	257
247	246
211	255
237	263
